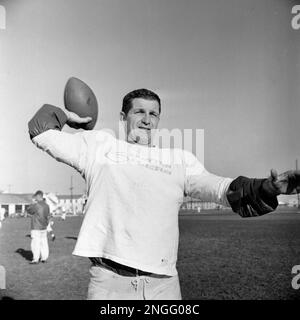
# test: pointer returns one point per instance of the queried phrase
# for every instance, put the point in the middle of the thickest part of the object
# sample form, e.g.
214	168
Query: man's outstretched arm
246	196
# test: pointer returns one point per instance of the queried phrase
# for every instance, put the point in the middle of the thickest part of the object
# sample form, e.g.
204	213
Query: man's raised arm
47	117
45	132
51	117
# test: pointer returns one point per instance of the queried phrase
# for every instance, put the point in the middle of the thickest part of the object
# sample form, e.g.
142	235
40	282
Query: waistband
122	269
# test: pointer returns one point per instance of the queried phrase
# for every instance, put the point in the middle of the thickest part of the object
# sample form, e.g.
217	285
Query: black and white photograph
149	150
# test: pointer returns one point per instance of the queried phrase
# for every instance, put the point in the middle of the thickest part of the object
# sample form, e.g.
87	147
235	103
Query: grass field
221	256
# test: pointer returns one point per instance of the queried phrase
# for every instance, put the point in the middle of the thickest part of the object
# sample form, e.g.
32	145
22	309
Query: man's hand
284	183
74	120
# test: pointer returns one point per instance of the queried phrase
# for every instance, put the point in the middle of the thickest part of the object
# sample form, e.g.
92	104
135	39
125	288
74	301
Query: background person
2	216
50	229
64	214
40	215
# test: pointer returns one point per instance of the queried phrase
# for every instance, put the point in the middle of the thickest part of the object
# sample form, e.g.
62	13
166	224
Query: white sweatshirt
134	194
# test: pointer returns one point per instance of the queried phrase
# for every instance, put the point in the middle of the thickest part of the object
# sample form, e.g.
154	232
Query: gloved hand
284	183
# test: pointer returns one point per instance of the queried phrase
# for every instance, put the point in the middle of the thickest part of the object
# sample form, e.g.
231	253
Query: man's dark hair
139	93
39	193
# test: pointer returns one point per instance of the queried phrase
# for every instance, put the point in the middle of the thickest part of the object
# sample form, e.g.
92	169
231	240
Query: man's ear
122	116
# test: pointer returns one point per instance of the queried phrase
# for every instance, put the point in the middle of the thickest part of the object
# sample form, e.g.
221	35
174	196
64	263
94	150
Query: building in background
198	205
71	206
15	204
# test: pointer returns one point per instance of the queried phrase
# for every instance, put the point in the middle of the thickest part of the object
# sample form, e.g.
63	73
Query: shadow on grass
7	298
28	236
72	238
27	254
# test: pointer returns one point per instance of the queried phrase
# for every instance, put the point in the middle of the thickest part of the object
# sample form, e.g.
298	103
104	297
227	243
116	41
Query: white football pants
108	285
39	245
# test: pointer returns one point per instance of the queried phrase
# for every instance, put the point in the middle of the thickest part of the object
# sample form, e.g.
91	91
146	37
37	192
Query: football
80	99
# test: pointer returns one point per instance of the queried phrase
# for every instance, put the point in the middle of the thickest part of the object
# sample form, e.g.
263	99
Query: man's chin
142	139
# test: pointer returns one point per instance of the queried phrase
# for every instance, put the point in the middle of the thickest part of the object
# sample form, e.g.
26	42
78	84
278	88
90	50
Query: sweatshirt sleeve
203	185
244	195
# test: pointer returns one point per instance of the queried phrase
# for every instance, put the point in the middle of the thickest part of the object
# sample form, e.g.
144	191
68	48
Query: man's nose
146	119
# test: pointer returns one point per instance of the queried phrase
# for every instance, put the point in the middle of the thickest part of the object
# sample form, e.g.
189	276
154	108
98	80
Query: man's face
140	120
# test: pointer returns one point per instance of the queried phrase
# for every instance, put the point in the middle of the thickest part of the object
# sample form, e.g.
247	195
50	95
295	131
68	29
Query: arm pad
247	197
47	117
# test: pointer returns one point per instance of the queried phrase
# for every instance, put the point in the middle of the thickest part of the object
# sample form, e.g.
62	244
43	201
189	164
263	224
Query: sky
228	67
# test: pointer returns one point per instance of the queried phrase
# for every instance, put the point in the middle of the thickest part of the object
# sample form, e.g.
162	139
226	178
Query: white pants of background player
39	245
49	226
108	285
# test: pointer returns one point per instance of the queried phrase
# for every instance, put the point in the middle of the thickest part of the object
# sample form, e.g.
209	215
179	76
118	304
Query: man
63	215
2	216
50	229
130	228
40	214
2	278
